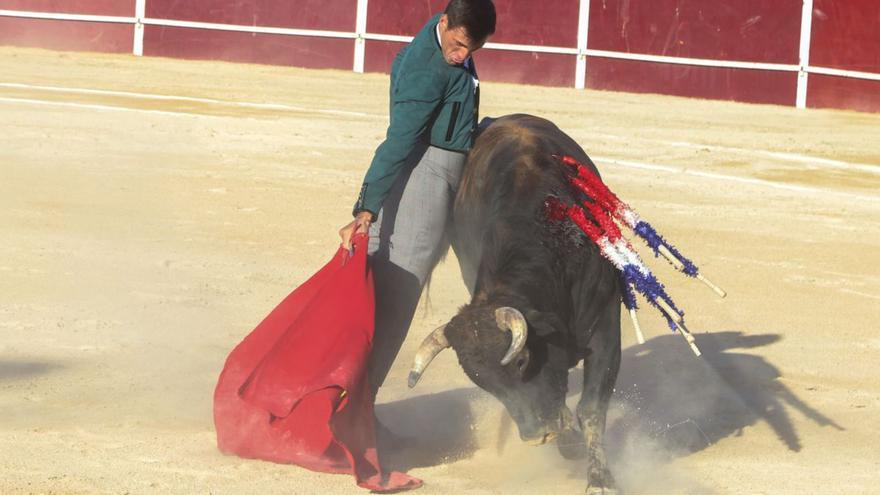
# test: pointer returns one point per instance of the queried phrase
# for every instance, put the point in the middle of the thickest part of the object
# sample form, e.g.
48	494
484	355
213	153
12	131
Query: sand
142	238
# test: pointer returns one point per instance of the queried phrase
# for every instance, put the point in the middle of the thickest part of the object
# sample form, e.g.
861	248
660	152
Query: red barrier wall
400	18
845	35
67	35
545	69
744	31
844	92
298	51
516	24
719	83
326	15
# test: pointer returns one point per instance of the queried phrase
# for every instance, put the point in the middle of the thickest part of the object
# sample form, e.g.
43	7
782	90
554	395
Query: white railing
360	36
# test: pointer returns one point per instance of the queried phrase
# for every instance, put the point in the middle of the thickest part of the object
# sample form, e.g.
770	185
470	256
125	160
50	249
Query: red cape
295	390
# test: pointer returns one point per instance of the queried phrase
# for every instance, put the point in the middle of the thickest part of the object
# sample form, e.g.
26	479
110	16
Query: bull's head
501	355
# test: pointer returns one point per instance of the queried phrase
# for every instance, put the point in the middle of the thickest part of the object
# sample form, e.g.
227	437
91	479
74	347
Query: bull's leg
600	372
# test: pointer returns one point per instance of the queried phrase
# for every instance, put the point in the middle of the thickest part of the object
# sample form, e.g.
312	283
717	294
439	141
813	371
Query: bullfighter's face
532	392
455	43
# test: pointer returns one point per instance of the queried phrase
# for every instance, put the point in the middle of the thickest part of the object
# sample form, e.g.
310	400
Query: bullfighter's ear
544	324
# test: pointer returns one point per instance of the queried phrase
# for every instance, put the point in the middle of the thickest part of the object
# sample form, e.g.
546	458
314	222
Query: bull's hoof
601	482
602	490
571	444
541	440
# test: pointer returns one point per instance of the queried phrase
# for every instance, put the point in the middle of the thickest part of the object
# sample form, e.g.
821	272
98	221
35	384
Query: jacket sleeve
417	94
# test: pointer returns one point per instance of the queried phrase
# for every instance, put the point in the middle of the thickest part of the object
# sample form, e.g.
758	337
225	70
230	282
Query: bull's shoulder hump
526	120
522	127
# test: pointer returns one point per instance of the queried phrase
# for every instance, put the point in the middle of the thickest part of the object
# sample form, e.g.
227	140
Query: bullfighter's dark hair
476	16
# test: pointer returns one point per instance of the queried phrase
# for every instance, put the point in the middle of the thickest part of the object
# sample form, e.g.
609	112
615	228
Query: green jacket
430	100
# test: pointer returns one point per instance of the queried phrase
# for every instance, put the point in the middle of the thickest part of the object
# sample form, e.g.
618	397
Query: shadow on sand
437	425
17	370
666	400
686	403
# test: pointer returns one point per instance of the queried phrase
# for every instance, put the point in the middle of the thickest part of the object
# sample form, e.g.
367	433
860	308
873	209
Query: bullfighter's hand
360	225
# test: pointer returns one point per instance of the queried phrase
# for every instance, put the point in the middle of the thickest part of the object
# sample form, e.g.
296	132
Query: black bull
543	297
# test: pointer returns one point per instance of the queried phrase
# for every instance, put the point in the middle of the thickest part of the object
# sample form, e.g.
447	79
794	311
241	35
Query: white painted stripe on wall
67	17
387	37
581	52
804	55
844	73
491	46
248	29
531	48
705	62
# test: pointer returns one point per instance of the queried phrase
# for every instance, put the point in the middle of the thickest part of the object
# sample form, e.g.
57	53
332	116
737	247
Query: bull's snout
538	434
546	438
535	434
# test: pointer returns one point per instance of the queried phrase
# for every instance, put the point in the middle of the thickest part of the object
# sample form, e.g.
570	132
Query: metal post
140	11
580	77
360	31
804	58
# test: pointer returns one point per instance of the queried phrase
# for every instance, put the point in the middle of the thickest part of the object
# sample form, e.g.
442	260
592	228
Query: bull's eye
521	362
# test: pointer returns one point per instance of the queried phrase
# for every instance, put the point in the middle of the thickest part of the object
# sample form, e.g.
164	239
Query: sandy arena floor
142	238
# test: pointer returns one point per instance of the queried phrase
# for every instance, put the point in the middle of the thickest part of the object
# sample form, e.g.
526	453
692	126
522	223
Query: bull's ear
544	324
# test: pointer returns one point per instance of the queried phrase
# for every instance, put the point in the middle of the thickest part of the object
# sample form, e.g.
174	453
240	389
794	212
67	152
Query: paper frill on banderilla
600	217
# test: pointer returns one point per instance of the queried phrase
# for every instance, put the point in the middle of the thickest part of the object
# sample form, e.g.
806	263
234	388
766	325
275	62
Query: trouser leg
406	242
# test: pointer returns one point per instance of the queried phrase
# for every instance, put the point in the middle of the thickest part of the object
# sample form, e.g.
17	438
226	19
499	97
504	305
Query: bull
543	298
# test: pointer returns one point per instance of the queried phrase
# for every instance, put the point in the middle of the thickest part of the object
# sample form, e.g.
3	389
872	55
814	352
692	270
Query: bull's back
509	173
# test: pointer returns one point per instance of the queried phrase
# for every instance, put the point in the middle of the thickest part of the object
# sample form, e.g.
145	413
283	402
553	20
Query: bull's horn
511	319
432	345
